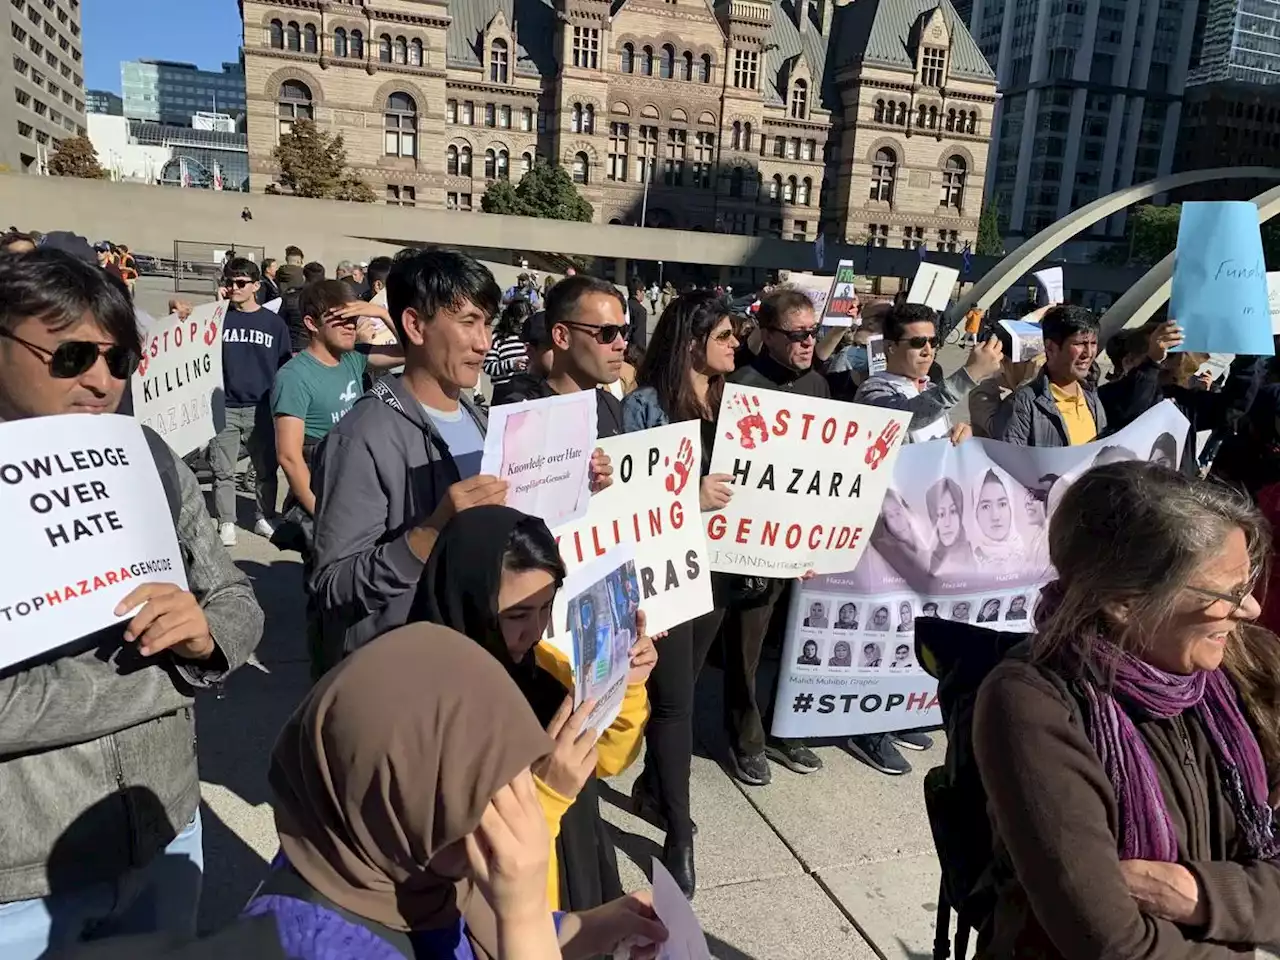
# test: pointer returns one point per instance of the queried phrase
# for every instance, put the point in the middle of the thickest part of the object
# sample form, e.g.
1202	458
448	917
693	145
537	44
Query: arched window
384	48
746	136
464	161
646	61
526	163
775	188
577	118
451	161
294	105
735	183
933	118
688	66
580	168
357	45
667	65
417	53
276	35
953	176
401	126
499	62
589	119
951	119
879	111
804	191
789	190
972	126
339	42
504	164
628	60
736	141
400	52
902	114
310	43
799	100
920	115
704	70
490	164
883	171
293	37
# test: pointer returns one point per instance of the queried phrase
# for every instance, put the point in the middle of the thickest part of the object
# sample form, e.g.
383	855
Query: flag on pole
820	250
217	175
920	251
968	257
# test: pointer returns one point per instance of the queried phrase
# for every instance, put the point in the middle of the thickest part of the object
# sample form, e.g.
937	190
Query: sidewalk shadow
232	872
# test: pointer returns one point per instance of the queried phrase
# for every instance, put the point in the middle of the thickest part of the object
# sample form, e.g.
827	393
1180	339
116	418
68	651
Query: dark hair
1065	321
532	547
58	289
897	319
313	271
318	298
292	251
266	263
378	269
776	304
870	648
1167	444
13	237
562	301
688	319
511	320
433	280
243	267
901	647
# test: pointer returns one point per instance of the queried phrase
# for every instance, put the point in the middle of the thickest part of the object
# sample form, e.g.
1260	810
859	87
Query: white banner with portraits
962	535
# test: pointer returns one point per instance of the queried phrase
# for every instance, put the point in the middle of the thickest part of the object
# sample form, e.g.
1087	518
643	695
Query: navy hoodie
254	346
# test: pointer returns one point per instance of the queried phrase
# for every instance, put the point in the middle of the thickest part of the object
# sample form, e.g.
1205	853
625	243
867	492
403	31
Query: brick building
868	120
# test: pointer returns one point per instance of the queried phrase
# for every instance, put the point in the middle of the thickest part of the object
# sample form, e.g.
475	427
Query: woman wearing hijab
990	611
952	553
999	545
493	575
1128	753
409	823
898	545
841	655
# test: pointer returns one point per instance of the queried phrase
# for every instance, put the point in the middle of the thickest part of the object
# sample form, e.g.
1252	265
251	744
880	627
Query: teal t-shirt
318	395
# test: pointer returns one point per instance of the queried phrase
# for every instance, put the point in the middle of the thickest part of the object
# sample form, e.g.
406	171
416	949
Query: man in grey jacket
101	832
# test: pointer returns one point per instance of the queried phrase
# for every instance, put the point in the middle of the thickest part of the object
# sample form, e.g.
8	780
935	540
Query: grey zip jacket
98	748
379	473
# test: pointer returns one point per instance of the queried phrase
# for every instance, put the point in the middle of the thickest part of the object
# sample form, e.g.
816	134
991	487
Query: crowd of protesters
435	795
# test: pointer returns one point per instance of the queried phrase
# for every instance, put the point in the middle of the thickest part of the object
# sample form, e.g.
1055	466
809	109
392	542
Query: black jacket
528	386
764	371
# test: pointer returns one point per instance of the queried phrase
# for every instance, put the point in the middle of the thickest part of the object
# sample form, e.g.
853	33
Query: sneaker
751	768
795	755
263	528
912	740
877	751
228	534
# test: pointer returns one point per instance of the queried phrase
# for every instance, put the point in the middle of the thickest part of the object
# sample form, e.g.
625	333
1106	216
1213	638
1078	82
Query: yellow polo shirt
1075	415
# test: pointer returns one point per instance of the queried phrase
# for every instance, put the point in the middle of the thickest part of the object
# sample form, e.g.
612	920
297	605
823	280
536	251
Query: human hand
601	471
509	852
715	491
358	309
180	307
644	655
1166	890
984	360
1163	339
605	928
573	761
960	433
807	575
170	618
477	491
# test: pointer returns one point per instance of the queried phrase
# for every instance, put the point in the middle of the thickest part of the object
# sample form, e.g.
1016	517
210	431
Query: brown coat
1054	818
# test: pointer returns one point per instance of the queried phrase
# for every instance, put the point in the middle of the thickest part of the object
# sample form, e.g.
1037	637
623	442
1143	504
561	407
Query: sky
206	33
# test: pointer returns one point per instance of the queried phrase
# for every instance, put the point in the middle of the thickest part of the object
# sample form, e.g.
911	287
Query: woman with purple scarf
1129	751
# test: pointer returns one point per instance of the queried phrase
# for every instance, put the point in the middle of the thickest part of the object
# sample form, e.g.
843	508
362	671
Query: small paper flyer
685	939
543	449
604	598
1026	339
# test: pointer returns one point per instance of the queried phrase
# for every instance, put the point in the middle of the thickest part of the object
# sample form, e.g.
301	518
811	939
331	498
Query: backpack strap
163	456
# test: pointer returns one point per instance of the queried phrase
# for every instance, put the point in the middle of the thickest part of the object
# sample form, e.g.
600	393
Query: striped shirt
507	357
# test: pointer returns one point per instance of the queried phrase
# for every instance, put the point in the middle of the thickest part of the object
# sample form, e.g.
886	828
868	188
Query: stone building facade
867	121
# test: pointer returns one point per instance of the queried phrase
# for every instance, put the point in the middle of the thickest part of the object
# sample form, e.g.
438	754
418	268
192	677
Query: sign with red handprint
806	475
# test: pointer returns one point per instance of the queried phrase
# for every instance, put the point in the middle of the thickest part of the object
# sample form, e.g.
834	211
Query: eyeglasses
1236	598
606	333
919	343
798	336
240	283
74	357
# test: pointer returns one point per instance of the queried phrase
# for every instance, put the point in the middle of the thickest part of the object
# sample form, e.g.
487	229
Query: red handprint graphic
143	363
681	469
750	421
211	333
880	448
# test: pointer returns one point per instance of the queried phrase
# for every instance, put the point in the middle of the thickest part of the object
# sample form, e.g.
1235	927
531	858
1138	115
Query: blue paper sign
1219	291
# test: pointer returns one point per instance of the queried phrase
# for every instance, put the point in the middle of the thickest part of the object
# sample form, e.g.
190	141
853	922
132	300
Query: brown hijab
393	756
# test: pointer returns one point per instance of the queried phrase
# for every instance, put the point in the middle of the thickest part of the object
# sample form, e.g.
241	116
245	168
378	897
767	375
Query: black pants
745	628
669	733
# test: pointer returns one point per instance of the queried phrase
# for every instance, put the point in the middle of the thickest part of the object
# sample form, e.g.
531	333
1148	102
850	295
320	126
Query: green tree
352	188
990	243
313	163
76	157
1153	232
546	191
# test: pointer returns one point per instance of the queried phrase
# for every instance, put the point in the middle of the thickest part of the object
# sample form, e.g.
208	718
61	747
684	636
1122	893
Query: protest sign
962	535
1219	294
685	939
86	523
543	448
604	597
177	389
1273	300
273	305
808	478
1050	283
877	354
653	505
932	285
1026	340
841	298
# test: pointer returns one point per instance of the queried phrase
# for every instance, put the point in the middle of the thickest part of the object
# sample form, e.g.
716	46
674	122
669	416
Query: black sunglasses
75	357
240	283
603	334
799	336
919	343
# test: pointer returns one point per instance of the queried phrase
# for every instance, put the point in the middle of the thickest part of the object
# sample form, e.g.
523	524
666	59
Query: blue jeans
162	896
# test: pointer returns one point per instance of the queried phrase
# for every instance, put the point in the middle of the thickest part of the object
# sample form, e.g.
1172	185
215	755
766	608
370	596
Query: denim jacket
641	410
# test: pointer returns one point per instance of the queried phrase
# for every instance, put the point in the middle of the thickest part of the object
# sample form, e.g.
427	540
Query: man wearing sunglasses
255	345
98	777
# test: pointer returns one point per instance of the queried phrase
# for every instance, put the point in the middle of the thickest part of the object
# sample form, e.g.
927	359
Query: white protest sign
842	297
543	448
932	285
273	305
1273	299
177	388
1051	285
604	597
685	939
877	354
808	478
86	523
652	504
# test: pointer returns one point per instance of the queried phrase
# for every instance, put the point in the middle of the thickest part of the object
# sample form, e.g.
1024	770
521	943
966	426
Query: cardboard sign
932	285
86	523
177	389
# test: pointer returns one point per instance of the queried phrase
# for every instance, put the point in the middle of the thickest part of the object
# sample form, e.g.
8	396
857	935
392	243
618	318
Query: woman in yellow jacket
493	575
